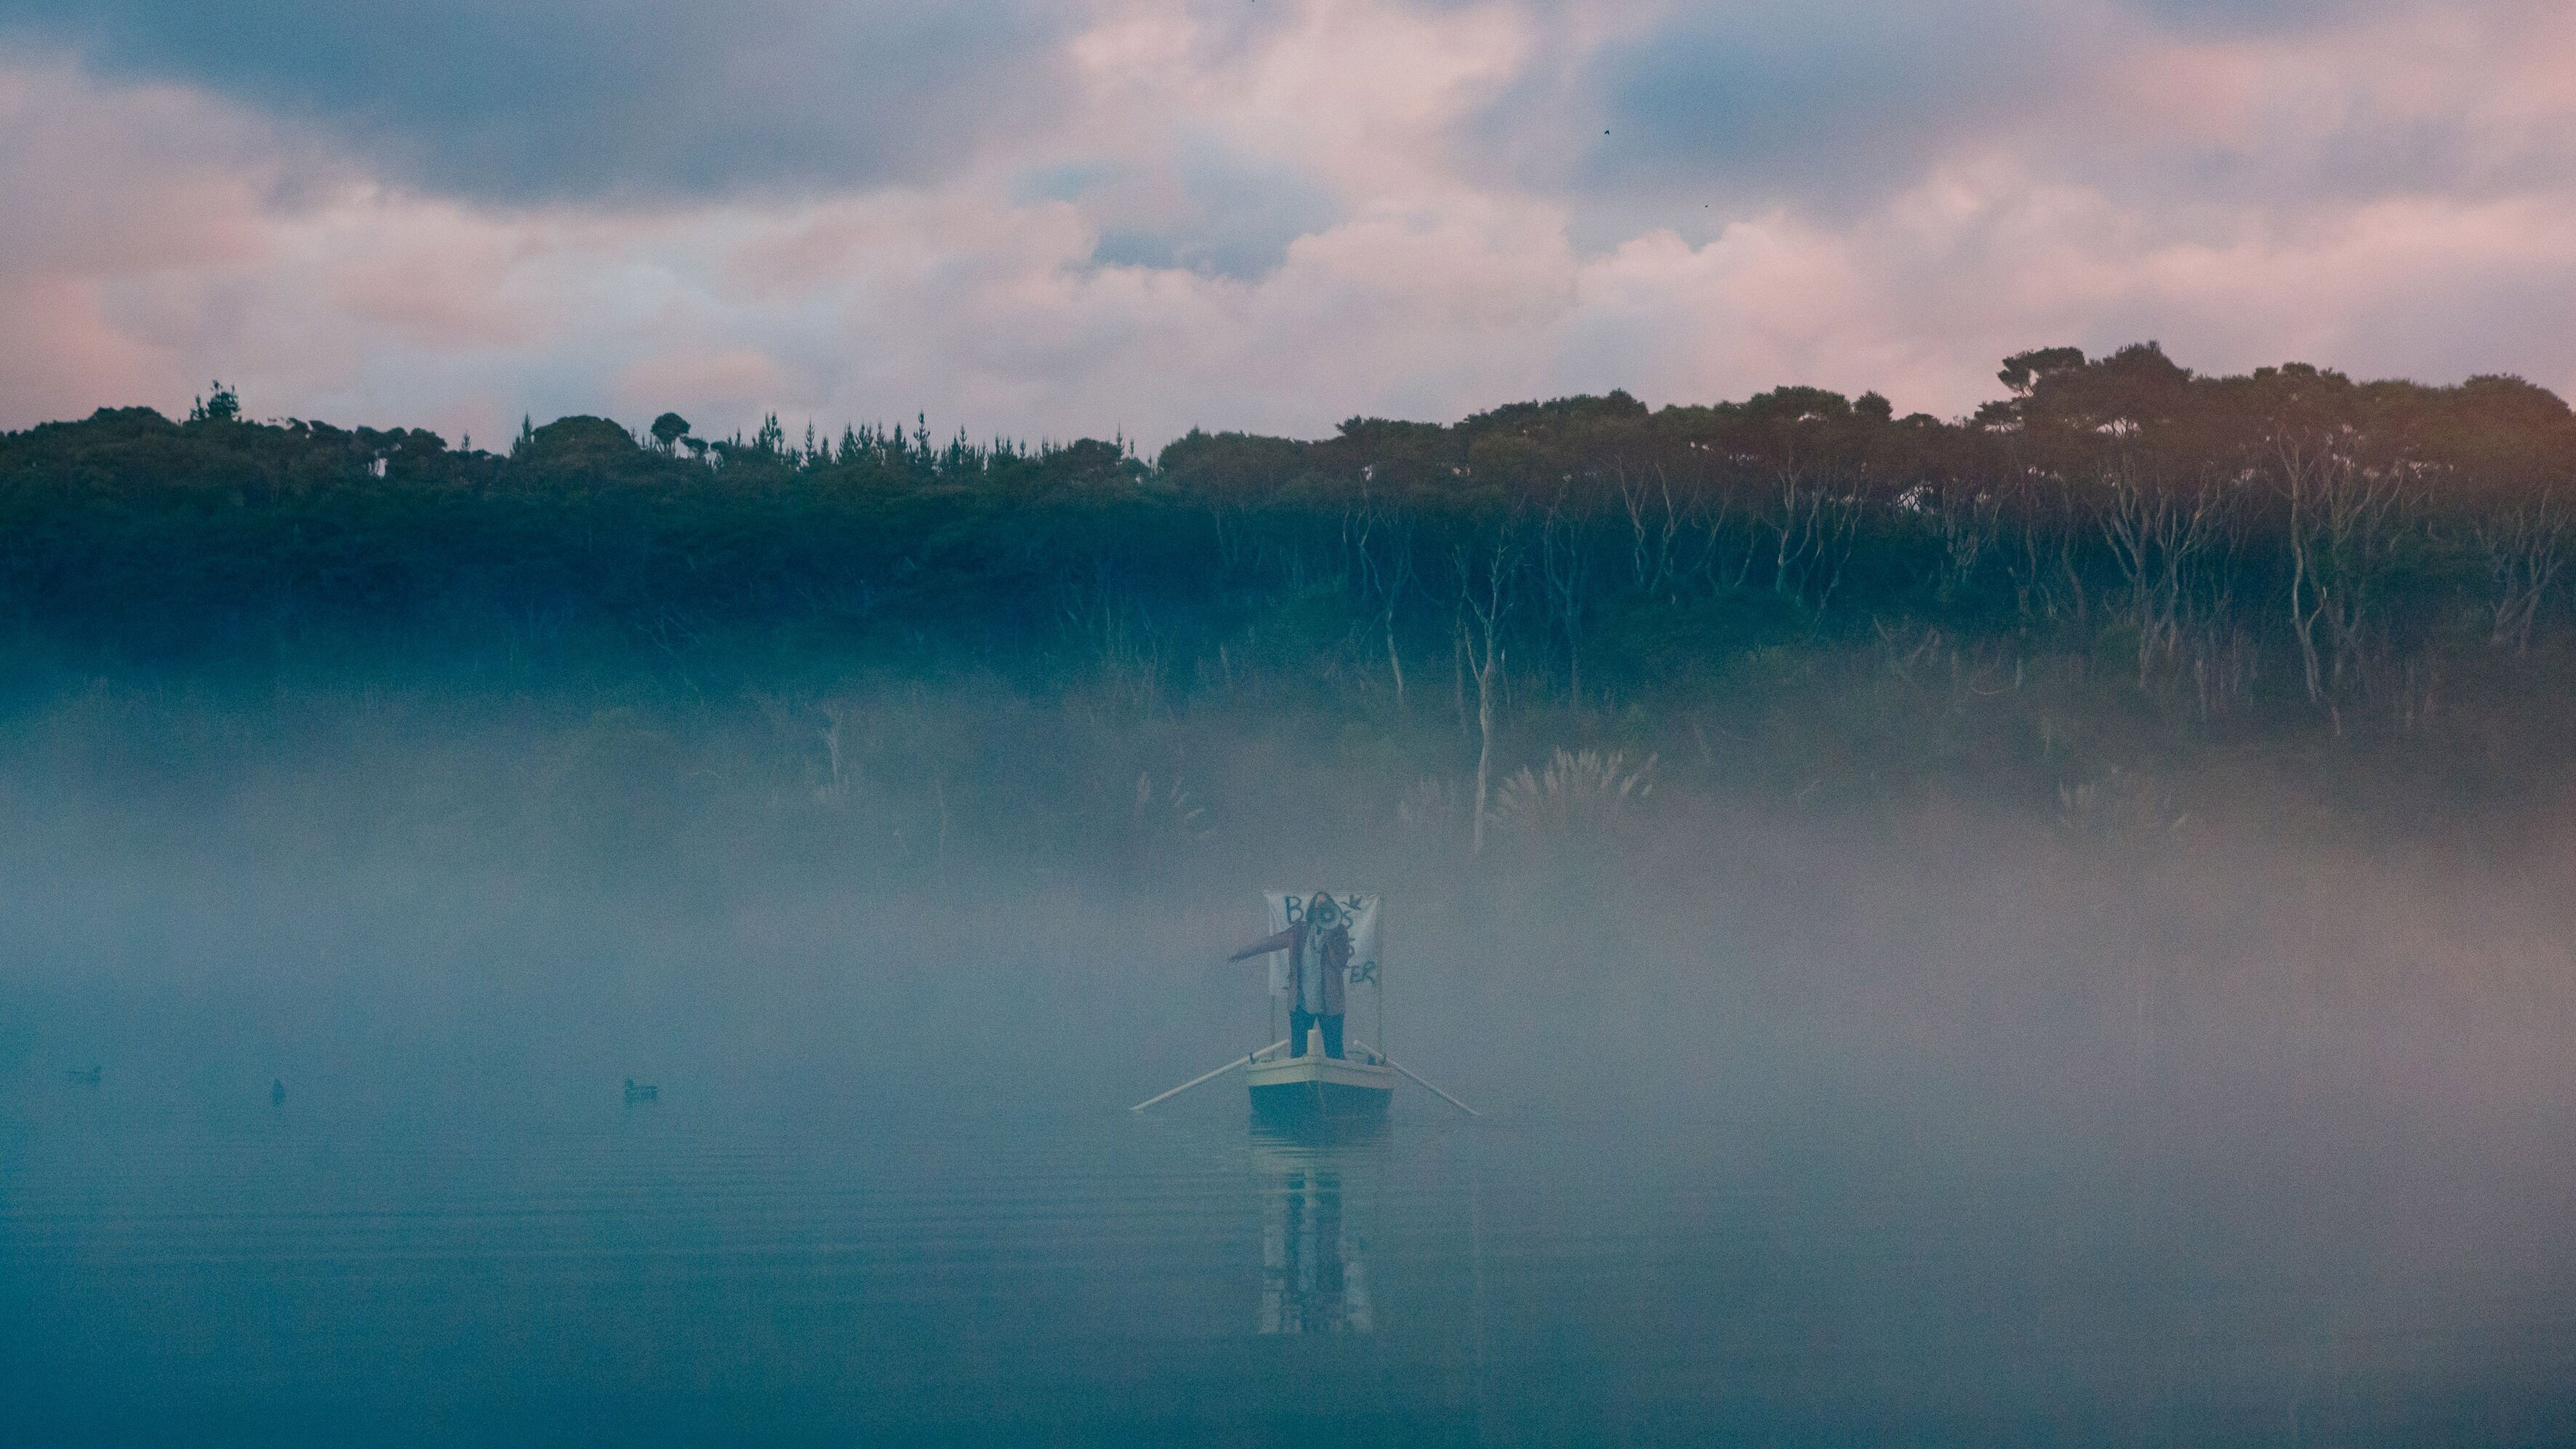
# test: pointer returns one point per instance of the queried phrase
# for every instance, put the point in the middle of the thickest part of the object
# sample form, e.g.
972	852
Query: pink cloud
98	189
151	238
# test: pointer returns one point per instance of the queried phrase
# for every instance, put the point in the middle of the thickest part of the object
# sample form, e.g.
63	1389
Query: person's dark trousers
1300	1021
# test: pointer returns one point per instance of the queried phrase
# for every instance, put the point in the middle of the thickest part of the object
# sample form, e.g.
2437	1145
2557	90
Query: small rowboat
1311	1087
1315	1087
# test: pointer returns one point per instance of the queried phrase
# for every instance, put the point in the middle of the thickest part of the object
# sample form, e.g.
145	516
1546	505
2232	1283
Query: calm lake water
182	1270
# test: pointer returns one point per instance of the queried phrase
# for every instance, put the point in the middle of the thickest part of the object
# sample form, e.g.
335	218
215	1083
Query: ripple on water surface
667	1273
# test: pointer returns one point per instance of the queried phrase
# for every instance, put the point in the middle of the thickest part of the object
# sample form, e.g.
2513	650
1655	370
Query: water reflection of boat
1314	1267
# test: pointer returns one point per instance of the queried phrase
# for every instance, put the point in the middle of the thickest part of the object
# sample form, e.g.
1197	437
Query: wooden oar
1245	1059
1410	1072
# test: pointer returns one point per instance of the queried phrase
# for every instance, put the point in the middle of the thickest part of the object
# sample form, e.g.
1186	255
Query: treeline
2289	537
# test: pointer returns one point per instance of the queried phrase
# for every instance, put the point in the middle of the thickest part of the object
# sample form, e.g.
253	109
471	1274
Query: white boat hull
1316	1086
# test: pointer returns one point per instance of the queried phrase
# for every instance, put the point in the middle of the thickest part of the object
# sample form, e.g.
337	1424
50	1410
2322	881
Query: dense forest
2116	570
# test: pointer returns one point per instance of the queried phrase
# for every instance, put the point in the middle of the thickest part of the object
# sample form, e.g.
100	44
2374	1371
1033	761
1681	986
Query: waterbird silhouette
645	1093
89	1077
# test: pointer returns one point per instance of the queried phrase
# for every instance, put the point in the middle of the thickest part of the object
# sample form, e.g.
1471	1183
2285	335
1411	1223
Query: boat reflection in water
1314	1265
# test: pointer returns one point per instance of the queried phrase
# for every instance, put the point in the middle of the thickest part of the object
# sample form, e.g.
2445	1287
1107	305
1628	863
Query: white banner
1287	908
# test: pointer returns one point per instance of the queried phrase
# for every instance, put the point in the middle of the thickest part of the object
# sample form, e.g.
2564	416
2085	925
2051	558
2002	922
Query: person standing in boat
1318	944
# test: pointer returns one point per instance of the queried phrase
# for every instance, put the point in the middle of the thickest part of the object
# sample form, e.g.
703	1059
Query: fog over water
1929	1117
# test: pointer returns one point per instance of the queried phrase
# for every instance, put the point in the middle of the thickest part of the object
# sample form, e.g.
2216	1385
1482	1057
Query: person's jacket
1337	960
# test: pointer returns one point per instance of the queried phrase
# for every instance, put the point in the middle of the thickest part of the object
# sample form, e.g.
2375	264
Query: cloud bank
1060	220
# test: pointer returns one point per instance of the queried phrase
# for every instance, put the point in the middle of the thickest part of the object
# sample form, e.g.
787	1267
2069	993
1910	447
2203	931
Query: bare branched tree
2525	547
2342	523
2159	537
1969	517
1385	549
1793	528
1653	524
2041	555
1813	533
1485	576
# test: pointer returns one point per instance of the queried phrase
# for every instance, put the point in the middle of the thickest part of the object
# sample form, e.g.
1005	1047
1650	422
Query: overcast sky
1052	218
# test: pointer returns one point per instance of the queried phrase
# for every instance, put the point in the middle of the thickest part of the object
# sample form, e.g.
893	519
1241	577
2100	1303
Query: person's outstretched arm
1267	944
